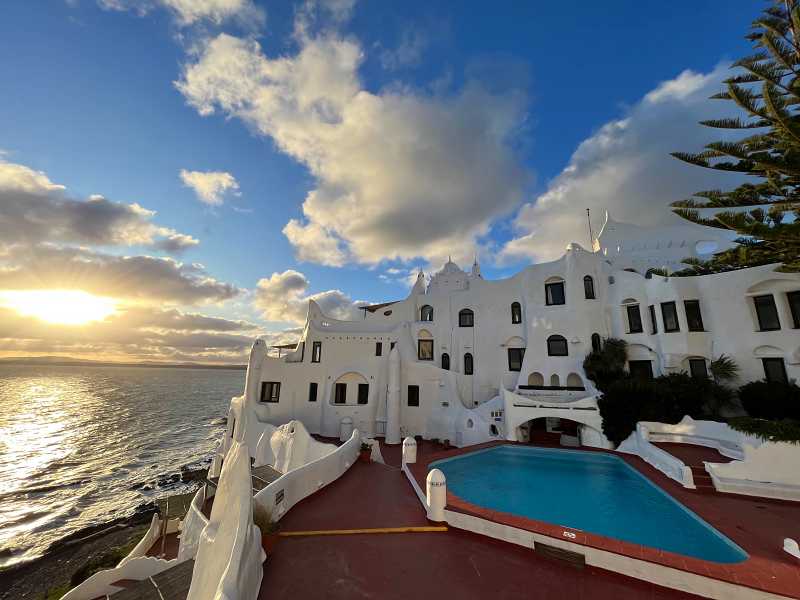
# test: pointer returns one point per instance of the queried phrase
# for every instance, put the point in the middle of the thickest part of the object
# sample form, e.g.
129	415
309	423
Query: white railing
638	443
100	584
192	526
292	487
710	434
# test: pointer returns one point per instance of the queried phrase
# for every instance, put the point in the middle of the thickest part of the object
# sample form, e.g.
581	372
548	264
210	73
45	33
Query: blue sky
98	97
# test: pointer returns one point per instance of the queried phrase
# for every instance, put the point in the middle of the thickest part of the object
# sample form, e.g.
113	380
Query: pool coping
727	581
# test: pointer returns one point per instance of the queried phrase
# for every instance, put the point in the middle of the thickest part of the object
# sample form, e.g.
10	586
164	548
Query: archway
551	431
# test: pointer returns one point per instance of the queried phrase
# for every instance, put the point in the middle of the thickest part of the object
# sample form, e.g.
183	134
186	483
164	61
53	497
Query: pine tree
767	88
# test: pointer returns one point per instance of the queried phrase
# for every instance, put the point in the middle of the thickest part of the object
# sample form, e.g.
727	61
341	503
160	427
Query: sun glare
65	307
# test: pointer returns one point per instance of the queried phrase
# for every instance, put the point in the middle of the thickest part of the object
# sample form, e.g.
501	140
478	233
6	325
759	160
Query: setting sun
65	307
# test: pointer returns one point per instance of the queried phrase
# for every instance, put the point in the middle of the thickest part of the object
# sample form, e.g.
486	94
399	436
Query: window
515	356
363	393
425	349
588	287
340	393
270	391
468	366
774	370
669	314
378	348
413	395
554	293
391	346
312	392
557	346
694	319
794	306
426	313
698	368
316	352
653	321
516	313
634	319
767	313
445	361
641	369
466	318
596	345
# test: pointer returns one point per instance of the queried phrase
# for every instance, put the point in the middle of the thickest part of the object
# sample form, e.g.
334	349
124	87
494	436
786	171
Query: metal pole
591	235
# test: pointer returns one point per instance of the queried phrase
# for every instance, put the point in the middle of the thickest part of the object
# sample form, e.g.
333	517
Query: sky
180	176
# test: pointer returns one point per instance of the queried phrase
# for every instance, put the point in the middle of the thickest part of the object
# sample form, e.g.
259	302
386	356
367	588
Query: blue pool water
596	493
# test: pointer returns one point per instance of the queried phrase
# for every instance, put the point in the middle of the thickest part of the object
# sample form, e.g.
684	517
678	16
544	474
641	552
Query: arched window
468	366
588	287
557	345
596	344
445	361
466	318
516	312
554	380
426	313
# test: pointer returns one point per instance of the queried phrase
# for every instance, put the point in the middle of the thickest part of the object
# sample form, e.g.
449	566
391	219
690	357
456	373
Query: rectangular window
270	391
425	349
340	393
698	368
378	348
515	356
794	306
391	346
767	313
363	393
669	314
316	352
554	293
653	321
312	392
634	319
694	319
302	351
641	369
588	288
413	395
775	370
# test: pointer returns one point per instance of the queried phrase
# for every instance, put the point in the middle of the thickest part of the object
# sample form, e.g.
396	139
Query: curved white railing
100	584
638	443
192	526
710	434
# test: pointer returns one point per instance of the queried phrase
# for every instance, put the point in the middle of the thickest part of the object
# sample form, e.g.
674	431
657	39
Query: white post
409	451
393	399
436	493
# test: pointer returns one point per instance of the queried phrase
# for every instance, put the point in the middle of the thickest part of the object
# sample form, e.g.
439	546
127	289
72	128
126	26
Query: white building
469	360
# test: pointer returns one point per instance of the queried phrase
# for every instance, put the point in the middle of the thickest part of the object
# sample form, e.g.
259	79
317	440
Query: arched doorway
551	431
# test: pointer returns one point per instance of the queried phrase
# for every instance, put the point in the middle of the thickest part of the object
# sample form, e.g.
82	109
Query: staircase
702	480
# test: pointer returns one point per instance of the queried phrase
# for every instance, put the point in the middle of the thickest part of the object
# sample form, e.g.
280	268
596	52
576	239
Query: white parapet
409	450
436	492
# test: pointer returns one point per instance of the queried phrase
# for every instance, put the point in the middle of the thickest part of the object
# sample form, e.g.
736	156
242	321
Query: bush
786	430
608	365
771	400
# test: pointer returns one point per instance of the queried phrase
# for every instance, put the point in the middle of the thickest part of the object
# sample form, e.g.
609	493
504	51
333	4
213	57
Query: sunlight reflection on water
82	445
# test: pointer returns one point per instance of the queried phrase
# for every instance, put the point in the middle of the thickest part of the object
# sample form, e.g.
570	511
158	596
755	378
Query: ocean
82	445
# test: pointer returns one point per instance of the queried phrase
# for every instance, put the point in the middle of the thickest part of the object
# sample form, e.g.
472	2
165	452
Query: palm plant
724	368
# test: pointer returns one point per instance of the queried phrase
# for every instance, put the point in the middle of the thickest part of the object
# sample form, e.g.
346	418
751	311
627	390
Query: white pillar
409	451
393	399
253	382
436	493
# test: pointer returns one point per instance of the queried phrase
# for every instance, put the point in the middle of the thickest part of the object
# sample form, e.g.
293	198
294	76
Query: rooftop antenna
591	235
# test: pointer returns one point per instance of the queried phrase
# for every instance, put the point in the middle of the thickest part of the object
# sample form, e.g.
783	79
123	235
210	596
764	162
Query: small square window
270	391
767	313
554	293
669	314
413	395
316	352
425	349
641	369
515	357
698	368
774	370
466	318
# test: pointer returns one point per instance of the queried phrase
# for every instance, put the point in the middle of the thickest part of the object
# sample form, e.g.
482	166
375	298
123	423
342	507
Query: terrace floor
416	565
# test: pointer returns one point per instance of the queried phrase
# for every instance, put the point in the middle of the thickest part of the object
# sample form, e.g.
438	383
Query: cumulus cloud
407	53
625	168
190	12
283	297
398	174
34	209
210	186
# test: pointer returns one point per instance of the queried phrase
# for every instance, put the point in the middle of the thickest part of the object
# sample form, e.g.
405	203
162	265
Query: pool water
593	492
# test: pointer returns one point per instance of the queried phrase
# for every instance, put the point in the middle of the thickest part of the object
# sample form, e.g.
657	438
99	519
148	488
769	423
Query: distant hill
61	361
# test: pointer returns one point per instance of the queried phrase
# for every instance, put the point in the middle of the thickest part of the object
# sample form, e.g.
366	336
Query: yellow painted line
360	531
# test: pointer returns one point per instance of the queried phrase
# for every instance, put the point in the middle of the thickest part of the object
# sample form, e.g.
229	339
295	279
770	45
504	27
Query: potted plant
262	517
365	453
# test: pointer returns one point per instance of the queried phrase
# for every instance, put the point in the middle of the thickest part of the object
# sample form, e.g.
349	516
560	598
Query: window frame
340	385
378	348
462	317
415	396
696	305
445	358
548	296
673	305
426	342
316	352
516	313
588	290
784	378
597	342
273	397
422	312
469	364
693	362
653	319
772	305
363	394
634	309
793	299
521	354
557	338
313	389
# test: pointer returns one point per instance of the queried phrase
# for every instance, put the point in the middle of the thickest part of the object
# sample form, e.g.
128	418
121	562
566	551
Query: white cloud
210	186
407	53
625	167
282	297
190	12
399	174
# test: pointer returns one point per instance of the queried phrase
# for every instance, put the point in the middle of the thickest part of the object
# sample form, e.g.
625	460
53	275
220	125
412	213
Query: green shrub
771	400
786	430
608	365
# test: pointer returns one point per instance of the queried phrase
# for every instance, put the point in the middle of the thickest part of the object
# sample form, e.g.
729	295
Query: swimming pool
594	492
